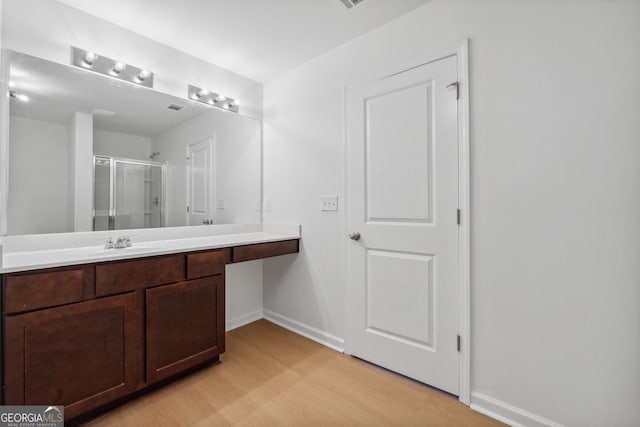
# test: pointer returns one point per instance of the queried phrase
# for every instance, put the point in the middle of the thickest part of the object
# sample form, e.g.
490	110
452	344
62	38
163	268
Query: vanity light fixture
214	99
89	60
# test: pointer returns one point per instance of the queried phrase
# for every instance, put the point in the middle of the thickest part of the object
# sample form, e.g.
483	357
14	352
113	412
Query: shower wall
128	194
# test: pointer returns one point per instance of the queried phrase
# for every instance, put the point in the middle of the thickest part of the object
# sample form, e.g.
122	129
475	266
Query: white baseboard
310	332
507	413
236	322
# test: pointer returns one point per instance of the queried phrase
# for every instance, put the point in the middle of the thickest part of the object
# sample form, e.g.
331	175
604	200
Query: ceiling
259	39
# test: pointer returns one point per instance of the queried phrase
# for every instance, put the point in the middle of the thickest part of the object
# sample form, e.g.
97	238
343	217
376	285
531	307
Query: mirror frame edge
4	140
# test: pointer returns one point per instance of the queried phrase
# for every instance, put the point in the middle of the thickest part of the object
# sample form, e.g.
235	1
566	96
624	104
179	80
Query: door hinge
459	216
457	85
187	209
188	161
459	345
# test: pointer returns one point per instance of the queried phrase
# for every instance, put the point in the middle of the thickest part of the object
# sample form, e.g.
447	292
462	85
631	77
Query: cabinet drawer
25	292
264	250
204	264
117	277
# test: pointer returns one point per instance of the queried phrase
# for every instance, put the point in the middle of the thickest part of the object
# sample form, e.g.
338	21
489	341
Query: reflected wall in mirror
62	116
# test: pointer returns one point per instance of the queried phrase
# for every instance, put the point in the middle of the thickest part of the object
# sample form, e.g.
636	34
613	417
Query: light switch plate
220	204
330	203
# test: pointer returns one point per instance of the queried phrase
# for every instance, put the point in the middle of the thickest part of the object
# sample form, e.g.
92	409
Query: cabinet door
185	326
79	355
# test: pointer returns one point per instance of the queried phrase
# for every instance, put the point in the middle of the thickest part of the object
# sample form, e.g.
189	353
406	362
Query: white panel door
403	201
199	183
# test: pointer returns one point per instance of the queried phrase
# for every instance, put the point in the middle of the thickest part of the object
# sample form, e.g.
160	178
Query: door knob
354	236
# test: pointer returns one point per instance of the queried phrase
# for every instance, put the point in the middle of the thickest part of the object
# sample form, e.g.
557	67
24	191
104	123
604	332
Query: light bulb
22	97
143	74
90	57
220	98
118	67
203	93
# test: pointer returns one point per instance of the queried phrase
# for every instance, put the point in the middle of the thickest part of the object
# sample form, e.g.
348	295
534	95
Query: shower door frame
111	219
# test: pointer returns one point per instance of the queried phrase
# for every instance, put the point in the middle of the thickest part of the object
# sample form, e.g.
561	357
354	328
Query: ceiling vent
350	3
175	107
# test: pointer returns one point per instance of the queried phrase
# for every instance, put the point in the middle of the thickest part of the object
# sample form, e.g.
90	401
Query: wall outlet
267	205
330	203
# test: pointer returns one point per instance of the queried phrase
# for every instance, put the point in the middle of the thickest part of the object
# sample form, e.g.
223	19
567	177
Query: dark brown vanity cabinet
81	355
63	346
88	335
183	326
185	320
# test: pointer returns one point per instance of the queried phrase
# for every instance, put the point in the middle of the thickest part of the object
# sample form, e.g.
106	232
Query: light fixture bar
117	69
213	99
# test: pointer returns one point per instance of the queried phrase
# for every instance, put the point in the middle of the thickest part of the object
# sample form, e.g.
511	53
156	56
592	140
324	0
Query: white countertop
32	253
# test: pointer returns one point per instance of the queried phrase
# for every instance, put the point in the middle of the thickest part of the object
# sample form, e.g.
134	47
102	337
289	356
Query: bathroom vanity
93	331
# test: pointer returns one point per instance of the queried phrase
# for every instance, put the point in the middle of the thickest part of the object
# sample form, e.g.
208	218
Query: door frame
211	140
461	51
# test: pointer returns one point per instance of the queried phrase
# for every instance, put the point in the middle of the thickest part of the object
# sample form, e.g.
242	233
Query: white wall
118	144
38	203
237	165
554	169
47	29
243	293
238	169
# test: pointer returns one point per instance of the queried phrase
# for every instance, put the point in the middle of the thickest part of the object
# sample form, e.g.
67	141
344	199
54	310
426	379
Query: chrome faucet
109	243
123	242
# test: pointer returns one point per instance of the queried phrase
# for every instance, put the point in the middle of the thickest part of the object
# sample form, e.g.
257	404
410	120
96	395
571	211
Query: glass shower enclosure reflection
127	193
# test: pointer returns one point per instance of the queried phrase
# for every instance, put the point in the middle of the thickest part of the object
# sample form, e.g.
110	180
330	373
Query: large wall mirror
87	152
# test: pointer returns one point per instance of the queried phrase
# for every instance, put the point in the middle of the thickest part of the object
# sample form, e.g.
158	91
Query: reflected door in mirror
199	188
